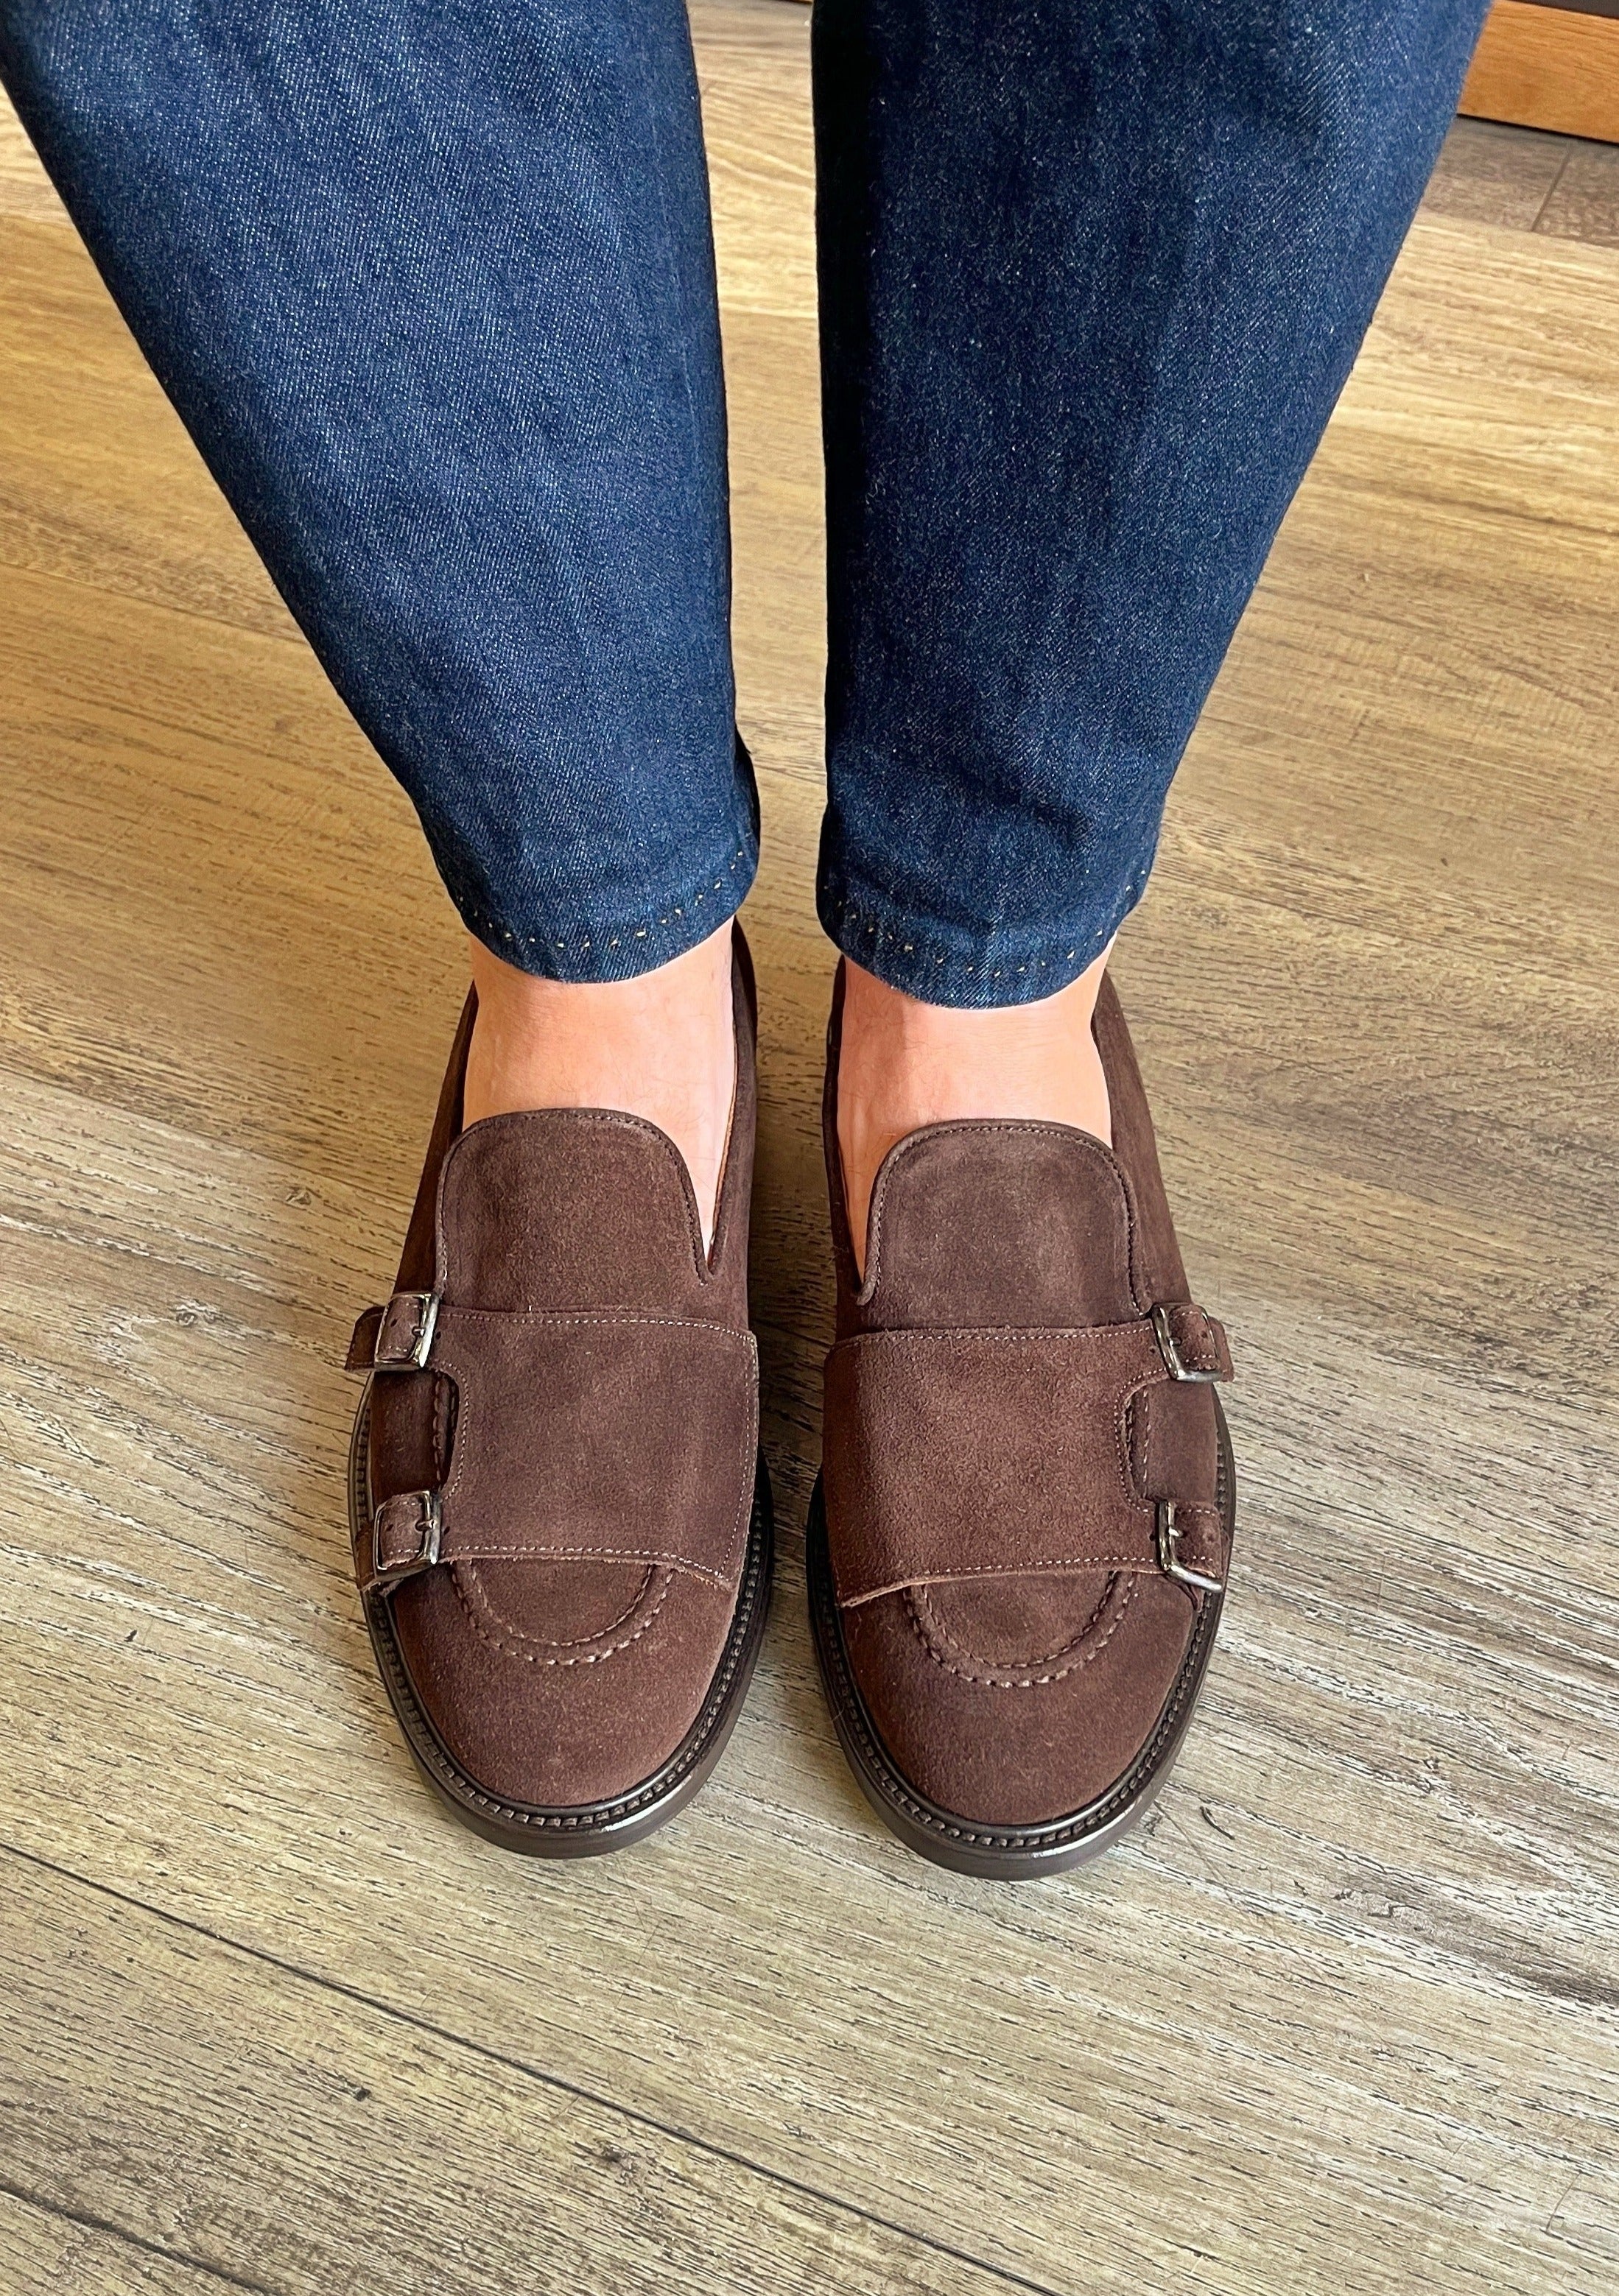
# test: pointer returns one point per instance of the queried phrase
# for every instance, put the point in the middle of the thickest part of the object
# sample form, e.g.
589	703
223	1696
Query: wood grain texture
25	189
1546	67
1488	173
239	2086
1583	202
46	2250
1346	2014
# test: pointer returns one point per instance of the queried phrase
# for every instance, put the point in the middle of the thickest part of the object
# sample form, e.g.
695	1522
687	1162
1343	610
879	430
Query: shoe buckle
405	1336
1174	1362
421	1512
1168	1534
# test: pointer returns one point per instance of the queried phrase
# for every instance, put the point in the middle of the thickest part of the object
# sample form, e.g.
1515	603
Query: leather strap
362	1340
953	1455
589	1437
397	1336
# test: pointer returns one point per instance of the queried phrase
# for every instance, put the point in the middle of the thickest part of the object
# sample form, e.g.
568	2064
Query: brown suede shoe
1017	1549
560	1518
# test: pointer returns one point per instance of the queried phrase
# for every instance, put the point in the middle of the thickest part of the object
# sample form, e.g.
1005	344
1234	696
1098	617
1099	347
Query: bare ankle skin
659	1047
905	1064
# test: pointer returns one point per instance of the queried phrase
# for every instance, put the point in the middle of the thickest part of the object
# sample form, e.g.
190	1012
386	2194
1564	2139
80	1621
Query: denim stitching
487	926
909	940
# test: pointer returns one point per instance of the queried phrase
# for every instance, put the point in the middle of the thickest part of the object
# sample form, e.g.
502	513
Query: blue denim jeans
430	283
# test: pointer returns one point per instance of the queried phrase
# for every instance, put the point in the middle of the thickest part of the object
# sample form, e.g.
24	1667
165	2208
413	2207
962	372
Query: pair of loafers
1017	1549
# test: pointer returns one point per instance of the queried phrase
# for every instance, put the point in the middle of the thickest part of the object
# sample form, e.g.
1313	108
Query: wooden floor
1341	2017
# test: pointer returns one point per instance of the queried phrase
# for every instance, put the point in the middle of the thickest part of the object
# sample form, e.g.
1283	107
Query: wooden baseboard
1546	67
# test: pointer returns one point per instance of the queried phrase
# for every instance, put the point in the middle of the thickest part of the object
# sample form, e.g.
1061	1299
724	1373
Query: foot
659	1047
905	1064
566	1579
1026	1485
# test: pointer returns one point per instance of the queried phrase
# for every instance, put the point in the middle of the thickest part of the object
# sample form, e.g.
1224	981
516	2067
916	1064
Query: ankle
904	1064
661	1046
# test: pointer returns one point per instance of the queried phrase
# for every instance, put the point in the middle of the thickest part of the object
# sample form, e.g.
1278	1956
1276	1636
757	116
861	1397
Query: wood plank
230	2082
1546	67
1489	173
1584	202
753	70
49	2251
25	189
1345	2014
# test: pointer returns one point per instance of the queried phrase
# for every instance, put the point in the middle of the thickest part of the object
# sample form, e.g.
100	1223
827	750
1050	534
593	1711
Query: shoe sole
592	1829
1001	1853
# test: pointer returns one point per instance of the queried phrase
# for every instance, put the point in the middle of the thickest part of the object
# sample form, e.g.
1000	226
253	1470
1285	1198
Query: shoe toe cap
561	1686
1013	1705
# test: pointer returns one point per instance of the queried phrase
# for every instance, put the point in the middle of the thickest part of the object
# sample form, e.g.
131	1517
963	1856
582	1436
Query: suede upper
582	1435
1003	1425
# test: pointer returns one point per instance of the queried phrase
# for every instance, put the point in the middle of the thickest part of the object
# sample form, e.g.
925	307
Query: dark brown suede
562	1523
1022	1534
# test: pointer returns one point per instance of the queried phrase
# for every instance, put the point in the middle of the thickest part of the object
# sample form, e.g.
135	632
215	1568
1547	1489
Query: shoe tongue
1001	1223
568	1208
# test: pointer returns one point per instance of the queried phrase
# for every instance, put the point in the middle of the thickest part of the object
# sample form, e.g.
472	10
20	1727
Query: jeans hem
981	971
624	949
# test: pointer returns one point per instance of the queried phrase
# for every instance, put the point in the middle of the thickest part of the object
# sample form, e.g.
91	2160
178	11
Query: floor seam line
634	2114
88	2223
1552	191
291	636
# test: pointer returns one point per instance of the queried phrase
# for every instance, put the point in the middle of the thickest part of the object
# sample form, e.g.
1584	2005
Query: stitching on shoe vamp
618	1120
464	1421
1187	1683
1020	1681
533	1658
921	1598
549	1641
408	1700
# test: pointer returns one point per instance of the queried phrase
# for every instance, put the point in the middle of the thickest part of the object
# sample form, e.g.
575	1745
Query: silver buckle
430	1515
1174	1362
1168	1536
427	1307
